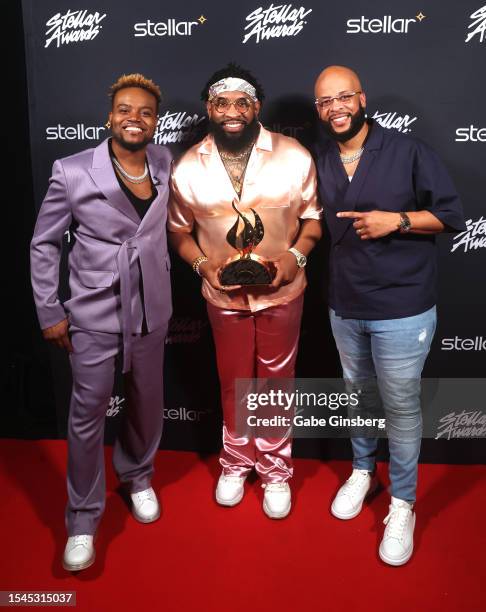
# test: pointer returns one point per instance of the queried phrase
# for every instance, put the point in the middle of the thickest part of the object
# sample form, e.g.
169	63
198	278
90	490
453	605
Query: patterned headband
232	84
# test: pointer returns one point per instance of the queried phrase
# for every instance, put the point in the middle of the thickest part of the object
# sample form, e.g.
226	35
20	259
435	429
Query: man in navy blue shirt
385	196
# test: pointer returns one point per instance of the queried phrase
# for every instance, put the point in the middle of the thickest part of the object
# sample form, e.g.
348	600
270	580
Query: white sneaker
396	548
230	490
145	507
277	499
79	553
349	499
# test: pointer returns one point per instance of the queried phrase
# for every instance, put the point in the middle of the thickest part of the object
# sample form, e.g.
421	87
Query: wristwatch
301	259
405	223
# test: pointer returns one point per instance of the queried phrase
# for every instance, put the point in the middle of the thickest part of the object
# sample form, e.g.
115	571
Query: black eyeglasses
343	98
223	105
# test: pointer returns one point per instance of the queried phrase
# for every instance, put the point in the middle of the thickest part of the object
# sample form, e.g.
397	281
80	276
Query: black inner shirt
139	204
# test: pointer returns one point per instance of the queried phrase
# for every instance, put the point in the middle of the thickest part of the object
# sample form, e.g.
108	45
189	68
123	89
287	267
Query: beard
357	122
132	146
234	142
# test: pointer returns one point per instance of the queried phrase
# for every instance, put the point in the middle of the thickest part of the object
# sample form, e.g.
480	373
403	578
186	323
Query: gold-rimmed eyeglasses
222	105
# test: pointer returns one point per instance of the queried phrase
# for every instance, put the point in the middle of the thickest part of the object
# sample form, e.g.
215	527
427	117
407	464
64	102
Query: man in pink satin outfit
255	328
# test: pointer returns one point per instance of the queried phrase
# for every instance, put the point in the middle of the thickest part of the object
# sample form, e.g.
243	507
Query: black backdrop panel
422	67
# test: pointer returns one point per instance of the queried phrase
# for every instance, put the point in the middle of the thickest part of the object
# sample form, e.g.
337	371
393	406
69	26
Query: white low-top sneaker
79	553
277	499
349	499
230	490
396	548
145	506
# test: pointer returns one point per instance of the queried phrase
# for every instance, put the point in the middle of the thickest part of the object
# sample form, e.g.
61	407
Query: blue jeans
390	355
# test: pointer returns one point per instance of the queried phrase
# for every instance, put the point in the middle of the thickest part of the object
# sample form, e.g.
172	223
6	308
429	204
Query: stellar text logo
74	132
169	27
464	344
470	134
382	25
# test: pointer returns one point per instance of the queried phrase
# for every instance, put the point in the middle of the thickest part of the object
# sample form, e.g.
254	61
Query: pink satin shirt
279	184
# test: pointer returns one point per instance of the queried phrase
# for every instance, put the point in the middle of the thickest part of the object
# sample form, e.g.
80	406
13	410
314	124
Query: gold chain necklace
235	166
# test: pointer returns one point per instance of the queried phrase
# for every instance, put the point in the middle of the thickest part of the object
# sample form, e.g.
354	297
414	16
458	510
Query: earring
108	125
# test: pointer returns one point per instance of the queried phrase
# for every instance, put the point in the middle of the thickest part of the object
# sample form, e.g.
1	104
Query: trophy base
247	271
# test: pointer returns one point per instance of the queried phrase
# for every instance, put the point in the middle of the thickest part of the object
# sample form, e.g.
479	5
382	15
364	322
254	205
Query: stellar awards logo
382	25
395	121
473	238
184	330
478	25
73	26
115	405
177	126
276	21
464	424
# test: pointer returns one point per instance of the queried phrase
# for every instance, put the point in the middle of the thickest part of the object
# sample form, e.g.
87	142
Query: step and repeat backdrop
422	66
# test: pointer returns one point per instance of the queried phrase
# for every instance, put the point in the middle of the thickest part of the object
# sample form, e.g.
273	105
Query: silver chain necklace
349	159
131	179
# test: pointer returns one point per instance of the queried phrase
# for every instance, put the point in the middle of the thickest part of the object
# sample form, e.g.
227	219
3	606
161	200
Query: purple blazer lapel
160	177
156	170
103	175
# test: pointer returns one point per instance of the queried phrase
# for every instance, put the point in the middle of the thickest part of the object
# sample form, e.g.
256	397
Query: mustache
234	142
132	146
340	115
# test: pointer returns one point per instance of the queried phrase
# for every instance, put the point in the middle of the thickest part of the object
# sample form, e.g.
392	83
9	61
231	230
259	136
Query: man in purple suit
116	194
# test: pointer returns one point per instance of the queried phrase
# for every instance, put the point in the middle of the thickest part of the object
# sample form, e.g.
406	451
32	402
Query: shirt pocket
94	279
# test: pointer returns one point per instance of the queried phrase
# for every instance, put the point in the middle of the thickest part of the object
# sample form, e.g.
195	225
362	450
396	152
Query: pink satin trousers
260	344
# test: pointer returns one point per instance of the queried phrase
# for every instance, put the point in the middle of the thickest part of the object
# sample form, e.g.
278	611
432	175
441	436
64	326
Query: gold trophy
246	268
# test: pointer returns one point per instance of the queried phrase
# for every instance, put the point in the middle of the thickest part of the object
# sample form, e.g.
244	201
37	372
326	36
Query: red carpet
201	557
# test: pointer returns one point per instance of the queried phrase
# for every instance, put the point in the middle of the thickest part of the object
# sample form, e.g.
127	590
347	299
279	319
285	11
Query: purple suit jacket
112	248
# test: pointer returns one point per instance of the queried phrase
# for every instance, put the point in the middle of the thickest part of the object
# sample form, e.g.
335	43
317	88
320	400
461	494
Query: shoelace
232	479
355	481
144	496
275	487
80	540
396	521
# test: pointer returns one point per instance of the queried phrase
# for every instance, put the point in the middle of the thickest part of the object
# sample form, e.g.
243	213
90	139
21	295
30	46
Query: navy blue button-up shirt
393	276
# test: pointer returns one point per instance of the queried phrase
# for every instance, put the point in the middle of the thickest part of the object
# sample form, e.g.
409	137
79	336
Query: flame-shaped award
246	268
